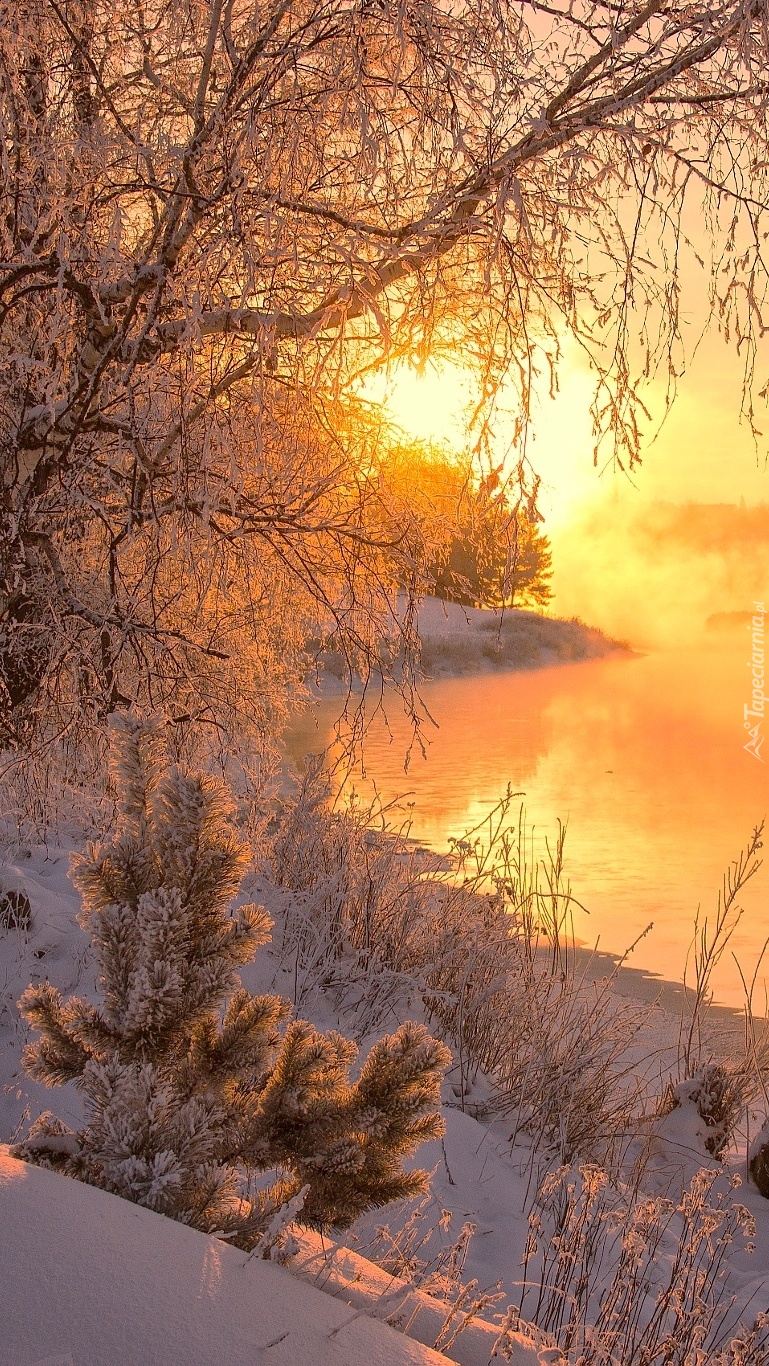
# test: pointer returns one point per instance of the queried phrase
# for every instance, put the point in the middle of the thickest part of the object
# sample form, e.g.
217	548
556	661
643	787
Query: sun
435	402
432	403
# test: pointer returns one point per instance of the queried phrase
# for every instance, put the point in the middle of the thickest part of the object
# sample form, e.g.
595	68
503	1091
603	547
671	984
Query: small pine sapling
192	1085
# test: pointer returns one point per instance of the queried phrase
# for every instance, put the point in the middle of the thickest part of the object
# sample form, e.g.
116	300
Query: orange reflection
642	756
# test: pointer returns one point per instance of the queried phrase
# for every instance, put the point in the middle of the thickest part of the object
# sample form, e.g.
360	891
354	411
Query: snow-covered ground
463	640
457	640
91	1279
97	1281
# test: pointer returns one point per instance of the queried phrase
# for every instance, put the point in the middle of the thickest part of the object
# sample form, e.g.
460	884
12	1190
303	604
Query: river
641	755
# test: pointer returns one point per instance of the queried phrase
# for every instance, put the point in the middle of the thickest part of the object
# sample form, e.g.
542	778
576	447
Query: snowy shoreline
489	1171
459	640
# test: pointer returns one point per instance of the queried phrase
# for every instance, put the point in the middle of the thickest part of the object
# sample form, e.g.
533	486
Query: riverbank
640	756
457	640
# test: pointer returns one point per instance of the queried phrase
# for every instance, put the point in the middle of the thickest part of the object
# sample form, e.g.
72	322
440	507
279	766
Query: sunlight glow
437	402
432	404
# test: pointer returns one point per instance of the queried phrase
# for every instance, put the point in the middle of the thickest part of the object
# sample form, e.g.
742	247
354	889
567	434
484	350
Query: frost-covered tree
498	556
192	1085
215	213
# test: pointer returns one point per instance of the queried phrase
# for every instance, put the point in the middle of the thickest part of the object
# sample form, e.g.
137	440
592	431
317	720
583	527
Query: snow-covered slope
91	1280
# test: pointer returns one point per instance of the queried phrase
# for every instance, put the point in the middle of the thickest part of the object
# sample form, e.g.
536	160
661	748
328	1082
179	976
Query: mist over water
643	758
653	573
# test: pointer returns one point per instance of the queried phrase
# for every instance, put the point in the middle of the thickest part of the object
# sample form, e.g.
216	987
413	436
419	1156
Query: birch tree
217	213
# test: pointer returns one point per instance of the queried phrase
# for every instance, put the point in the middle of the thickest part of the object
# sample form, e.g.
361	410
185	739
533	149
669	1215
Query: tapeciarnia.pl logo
754	711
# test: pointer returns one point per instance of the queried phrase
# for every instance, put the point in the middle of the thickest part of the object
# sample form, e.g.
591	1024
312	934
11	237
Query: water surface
642	756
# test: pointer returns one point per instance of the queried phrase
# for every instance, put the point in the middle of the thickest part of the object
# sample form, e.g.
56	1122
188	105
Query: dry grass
618	1282
485	937
612	1276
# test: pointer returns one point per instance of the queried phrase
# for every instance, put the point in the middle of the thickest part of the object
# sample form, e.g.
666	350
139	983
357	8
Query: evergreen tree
501	560
191	1084
483	547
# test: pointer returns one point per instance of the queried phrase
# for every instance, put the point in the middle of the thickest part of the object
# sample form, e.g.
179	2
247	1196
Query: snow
459	640
84	1260
92	1280
476	1178
95	1279
89	1278
54	948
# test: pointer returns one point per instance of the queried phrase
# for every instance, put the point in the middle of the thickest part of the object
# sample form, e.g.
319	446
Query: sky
702	452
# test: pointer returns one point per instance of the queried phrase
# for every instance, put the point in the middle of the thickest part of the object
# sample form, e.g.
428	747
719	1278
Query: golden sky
702	452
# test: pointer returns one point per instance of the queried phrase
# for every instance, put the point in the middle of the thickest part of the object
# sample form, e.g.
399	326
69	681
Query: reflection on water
641	756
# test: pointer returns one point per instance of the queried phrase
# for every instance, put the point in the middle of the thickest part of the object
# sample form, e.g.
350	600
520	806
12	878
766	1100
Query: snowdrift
92	1280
